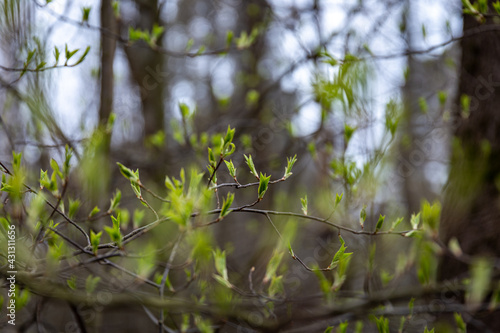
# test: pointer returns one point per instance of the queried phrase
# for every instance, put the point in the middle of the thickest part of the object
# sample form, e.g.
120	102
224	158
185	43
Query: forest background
241	166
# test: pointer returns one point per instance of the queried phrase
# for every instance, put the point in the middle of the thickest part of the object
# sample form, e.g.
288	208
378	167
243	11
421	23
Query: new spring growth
115	233
288	169
231	168
133	176
226	204
263	184
95	240
227	145
251	166
362	217
303	201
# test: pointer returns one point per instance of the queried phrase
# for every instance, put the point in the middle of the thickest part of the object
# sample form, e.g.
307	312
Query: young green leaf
454	247
496	6
342	327
40	65
495	298
402	322
91	283
414	234
459	321
380	222
94	211
156	32
362	217
135	182
478	288
431	215
263	185
72	282
222	281
290	250
57	54
396	223
229	38
184	108
95	240
55	167
251	166
272	266
116	8
276	287
68	153
44	180
69	53
85	14
189	44
385	277
226	204
442	96
465	104
126	172
483	6
30	56
415	221
427	264
82	58
338	198
359	327
348	132
289	165
382	324
73	207
231	168
114	233
229	135
116	221
211	158
339	255
303	201
201	49
411	305
340	274
220	263
115	201
228	149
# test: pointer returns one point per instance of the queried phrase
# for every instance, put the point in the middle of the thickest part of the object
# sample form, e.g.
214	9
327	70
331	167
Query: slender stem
238	185
213	173
153	193
123	269
165	274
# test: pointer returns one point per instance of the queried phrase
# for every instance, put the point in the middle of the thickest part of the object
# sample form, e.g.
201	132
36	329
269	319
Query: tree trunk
108	47
146	66
471	211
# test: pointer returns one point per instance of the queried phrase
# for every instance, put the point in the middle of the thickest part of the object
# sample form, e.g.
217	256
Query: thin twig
238	185
123	269
156	321
153	194
69	240
165	273
213	173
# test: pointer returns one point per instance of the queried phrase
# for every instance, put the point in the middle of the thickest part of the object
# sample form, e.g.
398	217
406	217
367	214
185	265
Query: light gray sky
75	100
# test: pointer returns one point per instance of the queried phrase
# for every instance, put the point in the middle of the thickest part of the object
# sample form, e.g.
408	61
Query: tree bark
146	66
108	47
471	210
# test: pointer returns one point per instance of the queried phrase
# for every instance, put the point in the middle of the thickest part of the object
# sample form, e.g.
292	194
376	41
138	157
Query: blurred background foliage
367	94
